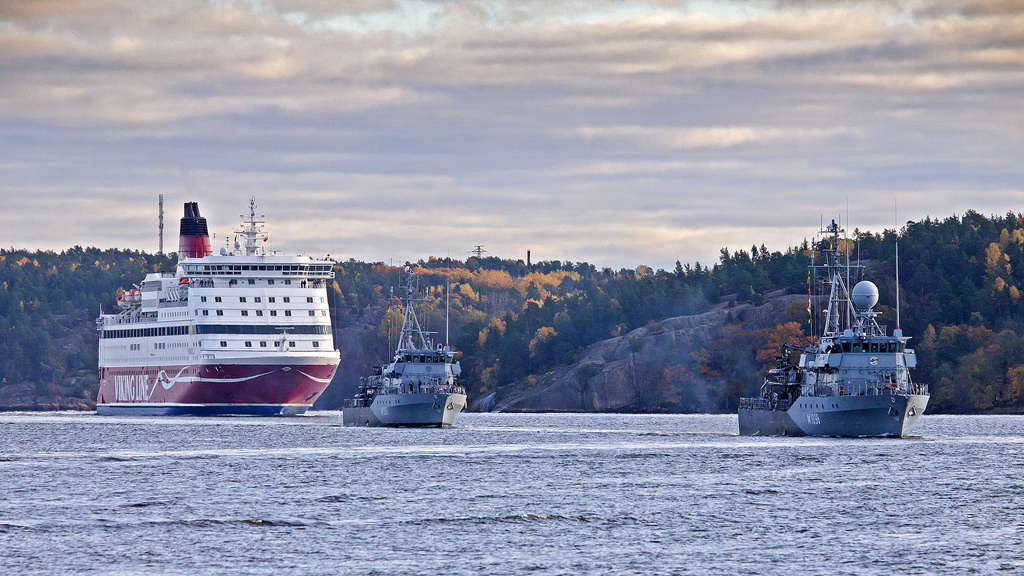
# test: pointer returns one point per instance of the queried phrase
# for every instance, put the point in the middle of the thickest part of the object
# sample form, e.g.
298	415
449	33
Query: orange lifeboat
128	298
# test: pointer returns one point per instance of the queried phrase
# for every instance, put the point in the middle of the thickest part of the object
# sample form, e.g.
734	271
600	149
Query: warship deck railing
764	404
874	389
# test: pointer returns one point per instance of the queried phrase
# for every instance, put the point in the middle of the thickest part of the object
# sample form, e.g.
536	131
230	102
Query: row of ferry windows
195	269
260	312
144	332
159	346
263	344
873	347
270	299
271	282
213	329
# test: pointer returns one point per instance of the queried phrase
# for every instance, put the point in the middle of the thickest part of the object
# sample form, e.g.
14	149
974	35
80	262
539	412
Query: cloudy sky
616	132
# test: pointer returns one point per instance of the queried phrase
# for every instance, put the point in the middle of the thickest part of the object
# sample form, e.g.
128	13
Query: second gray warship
852	382
419	387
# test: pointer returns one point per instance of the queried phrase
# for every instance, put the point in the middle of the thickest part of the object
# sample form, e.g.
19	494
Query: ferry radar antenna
253	230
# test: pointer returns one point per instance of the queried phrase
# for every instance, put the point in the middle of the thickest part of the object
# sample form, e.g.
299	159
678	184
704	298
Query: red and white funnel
194	237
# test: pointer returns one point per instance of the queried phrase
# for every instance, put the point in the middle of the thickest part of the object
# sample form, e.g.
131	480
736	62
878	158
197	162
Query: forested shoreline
960	289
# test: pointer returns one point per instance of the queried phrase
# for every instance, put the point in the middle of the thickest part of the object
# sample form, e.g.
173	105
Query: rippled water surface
504	494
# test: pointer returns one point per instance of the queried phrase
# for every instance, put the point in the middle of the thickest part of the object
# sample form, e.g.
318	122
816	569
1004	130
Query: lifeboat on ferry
129	298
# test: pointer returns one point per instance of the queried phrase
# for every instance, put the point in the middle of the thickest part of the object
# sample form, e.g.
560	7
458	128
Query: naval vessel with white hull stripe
419	387
852	382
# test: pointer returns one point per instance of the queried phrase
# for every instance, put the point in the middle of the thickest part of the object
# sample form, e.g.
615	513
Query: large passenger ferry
244	332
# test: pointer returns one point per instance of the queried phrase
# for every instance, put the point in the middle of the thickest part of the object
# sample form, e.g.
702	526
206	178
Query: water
504	494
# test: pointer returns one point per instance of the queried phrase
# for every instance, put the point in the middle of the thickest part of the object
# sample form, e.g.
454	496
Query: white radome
865	295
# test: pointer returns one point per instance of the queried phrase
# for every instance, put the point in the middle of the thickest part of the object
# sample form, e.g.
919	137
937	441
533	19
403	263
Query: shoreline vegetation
569	336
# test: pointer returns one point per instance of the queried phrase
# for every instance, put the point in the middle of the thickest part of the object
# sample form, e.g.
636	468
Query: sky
614	132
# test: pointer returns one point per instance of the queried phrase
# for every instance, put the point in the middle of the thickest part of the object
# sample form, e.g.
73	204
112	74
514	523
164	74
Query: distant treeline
960	290
48	306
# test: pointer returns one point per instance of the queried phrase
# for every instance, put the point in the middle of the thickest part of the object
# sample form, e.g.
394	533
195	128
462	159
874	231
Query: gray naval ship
853	382
418	388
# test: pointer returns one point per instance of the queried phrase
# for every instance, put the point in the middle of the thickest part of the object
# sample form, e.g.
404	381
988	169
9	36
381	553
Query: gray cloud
615	132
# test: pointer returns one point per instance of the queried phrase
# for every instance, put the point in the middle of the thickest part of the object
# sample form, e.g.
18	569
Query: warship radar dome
865	295
853	381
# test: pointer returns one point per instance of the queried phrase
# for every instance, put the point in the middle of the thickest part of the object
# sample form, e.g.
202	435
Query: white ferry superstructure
240	333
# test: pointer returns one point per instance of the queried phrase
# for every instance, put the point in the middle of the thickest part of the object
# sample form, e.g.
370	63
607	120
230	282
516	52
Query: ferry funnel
194	237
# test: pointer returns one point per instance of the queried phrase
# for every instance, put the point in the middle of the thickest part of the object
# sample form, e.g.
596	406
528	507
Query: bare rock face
628	372
27	398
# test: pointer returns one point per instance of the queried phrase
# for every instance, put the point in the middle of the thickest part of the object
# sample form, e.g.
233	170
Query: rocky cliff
650	368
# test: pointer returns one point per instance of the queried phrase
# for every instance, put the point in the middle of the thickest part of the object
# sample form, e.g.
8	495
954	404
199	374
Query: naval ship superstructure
419	387
245	332
854	381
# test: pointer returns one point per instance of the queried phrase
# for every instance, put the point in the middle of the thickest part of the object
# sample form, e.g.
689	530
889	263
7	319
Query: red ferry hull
250	386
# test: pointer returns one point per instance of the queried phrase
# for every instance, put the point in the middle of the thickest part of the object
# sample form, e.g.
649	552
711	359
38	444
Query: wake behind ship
853	382
240	333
